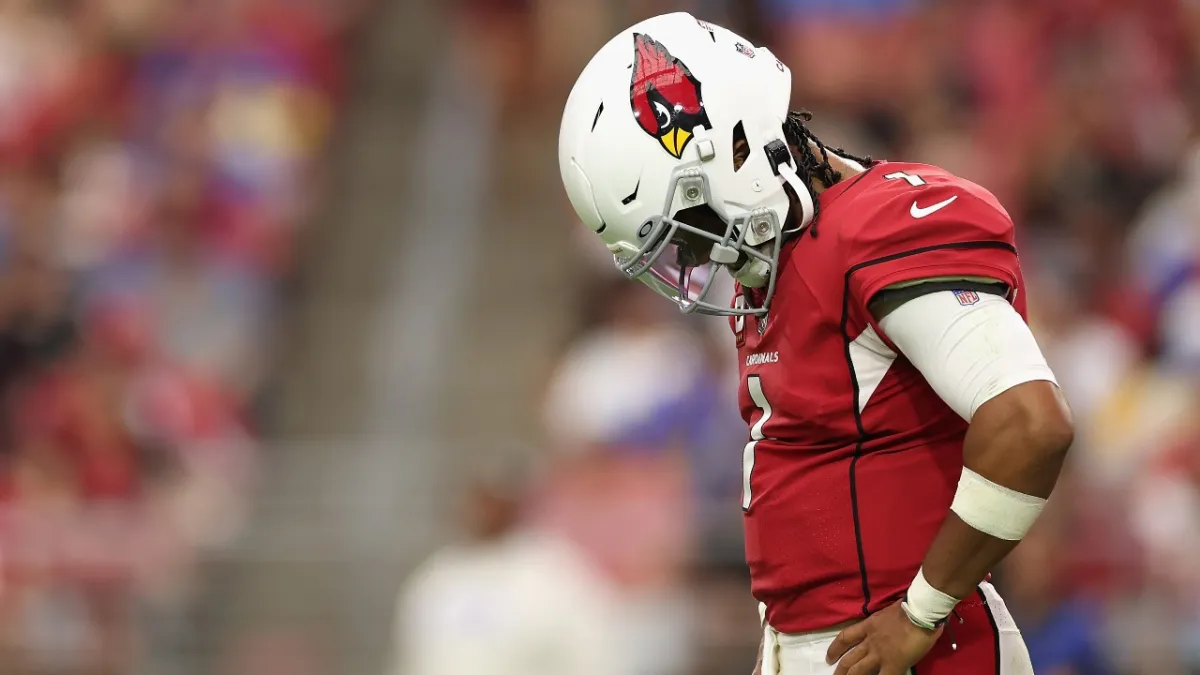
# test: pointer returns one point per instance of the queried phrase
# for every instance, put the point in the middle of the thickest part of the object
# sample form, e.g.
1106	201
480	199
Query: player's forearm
984	362
961	557
1017	441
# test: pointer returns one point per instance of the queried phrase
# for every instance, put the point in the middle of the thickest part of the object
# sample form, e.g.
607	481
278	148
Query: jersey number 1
754	386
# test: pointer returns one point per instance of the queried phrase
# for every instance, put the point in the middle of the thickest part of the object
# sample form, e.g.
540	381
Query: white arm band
994	509
969	353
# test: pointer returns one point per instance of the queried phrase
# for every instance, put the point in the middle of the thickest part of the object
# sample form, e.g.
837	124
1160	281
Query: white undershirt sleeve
969	353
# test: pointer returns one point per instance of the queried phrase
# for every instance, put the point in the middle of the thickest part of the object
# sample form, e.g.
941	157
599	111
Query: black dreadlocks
811	168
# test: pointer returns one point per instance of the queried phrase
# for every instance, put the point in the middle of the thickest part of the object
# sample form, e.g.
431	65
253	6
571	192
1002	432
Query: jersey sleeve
944	230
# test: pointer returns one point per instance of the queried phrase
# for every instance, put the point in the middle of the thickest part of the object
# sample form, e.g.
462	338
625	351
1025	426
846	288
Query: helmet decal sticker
665	96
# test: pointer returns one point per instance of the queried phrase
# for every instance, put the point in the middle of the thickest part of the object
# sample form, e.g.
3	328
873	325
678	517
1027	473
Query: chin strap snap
754	274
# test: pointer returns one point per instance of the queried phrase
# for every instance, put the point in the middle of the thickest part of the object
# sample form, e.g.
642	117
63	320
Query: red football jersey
853	460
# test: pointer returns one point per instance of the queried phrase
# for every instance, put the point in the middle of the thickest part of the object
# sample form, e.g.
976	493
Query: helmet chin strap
756	273
803	194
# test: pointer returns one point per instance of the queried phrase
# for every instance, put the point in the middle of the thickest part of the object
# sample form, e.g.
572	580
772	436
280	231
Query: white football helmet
649	131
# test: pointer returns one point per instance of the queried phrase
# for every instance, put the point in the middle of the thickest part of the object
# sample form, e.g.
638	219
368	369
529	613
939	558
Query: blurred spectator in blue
632	365
1063	629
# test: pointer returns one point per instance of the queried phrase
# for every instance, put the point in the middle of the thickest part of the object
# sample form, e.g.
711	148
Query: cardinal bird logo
665	96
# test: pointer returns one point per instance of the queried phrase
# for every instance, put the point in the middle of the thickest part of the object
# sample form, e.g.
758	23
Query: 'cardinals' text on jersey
853	460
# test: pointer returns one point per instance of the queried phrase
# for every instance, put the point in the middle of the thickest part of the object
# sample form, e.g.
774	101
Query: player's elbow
1051	431
1041	421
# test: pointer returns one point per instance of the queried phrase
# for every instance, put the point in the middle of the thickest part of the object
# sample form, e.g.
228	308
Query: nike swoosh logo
918	212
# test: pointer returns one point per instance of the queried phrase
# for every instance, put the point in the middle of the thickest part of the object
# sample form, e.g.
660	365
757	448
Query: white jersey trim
870	358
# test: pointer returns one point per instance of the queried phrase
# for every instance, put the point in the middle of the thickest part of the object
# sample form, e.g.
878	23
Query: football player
905	430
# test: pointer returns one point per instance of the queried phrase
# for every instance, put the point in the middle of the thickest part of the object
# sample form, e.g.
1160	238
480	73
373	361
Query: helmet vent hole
633	195
741	147
597	117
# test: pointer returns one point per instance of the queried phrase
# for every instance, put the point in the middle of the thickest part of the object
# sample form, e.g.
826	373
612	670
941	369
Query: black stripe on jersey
862	436
858	422
987	609
926	249
884	302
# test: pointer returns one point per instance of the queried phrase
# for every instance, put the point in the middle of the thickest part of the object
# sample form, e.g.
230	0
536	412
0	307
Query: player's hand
885	643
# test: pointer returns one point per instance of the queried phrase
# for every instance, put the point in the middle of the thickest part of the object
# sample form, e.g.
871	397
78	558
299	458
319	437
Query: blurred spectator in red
158	159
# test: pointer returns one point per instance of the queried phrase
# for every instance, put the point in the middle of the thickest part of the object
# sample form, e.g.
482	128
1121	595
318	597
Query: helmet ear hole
741	147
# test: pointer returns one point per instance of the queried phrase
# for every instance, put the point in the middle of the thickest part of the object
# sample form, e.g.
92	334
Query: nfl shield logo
966	298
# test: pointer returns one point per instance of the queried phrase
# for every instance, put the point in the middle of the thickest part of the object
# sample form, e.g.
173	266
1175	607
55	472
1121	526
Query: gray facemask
657	263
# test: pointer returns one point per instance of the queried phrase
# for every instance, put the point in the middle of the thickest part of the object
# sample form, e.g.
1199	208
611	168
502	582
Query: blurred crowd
1083	116
158	159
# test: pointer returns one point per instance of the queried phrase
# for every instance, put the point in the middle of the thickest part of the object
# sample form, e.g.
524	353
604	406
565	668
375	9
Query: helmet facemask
673	261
